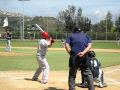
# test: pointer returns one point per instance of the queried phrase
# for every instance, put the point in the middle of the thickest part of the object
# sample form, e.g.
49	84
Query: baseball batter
43	45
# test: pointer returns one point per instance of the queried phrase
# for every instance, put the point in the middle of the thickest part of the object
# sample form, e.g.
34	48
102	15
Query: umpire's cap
92	54
76	29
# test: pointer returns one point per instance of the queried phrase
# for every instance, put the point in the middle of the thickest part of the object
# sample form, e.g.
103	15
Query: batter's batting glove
51	39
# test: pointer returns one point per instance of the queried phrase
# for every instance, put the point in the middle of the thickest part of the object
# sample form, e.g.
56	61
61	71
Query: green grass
59	44
106	45
108	59
58	60
20	43
17	63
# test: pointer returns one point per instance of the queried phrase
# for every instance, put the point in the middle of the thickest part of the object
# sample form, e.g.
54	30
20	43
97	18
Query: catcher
43	45
96	71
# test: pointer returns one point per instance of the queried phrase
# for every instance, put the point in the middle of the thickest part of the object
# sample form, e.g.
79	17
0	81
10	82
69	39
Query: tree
79	19
72	19
117	23
102	25
87	24
109	23
69	17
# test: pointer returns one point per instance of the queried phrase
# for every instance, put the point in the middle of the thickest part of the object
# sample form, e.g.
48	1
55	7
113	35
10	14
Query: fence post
96	35
116	35
66	34
56	35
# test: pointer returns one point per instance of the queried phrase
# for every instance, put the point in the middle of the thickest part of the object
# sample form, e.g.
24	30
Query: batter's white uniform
42	62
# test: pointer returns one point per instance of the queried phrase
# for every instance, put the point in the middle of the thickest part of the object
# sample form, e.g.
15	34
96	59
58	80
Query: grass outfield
33	43
25	59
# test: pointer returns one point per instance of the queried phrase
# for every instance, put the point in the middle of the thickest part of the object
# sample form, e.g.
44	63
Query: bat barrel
39	27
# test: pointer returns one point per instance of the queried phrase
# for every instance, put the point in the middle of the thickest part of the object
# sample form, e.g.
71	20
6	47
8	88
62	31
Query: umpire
77	45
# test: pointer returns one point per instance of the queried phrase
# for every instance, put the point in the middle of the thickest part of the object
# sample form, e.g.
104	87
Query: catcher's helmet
92	54
44	35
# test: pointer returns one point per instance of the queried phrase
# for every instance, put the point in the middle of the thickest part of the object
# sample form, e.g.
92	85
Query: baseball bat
39	27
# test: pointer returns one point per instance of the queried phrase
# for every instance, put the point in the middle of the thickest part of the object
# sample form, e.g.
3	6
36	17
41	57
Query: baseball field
18	66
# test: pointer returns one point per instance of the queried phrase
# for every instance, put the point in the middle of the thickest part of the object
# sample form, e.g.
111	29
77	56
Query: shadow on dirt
49	88
29	79
53	88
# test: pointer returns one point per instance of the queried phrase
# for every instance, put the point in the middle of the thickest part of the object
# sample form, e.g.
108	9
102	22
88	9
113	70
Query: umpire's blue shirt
78	41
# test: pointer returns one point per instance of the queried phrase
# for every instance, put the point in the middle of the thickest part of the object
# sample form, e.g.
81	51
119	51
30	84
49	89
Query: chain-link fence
57	35
93	35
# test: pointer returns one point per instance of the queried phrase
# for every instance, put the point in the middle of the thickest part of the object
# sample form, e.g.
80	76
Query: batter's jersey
42	47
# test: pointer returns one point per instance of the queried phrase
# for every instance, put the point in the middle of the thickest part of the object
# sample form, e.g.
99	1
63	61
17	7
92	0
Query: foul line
112	71
113	82
12	77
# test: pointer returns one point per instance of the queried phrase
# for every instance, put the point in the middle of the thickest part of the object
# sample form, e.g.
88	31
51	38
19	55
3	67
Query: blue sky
90	8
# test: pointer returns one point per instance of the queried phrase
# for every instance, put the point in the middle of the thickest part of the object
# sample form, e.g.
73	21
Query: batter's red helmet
44	35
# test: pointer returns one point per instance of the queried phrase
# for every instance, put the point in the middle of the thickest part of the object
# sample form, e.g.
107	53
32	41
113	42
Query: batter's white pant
8	46
43	68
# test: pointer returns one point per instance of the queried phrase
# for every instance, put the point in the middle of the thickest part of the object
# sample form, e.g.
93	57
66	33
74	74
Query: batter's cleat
34	79
43	82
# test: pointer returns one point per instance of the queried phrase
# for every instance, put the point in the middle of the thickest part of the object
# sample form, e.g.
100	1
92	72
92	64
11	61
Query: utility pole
77	19
106	27
22	25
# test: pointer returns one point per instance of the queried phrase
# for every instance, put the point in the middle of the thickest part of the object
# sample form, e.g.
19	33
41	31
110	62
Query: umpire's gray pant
89	77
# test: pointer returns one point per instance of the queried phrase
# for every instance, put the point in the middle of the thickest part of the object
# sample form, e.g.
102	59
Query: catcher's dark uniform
78	41
96	71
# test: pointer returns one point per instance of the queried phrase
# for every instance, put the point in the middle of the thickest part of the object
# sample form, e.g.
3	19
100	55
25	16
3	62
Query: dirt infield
21	80
13	54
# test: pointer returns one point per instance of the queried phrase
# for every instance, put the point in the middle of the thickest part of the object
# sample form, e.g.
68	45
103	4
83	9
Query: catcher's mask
44	35
92	54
